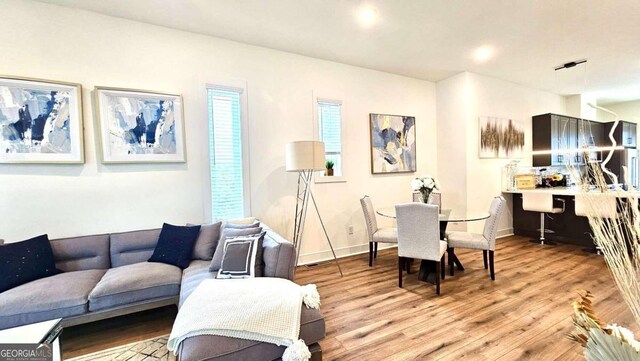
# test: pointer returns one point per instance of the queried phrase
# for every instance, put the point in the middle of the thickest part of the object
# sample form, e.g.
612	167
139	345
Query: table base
428	268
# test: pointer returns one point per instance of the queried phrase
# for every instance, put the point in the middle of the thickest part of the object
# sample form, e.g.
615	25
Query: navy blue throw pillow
175	245
26	261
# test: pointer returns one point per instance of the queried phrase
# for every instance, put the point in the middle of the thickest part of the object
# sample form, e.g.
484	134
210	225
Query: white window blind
330	119
225	141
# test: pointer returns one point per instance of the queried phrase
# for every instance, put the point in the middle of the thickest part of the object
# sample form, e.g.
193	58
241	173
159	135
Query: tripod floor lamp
305	157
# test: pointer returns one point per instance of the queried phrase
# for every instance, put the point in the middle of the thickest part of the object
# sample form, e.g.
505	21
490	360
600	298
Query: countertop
571	191
559	191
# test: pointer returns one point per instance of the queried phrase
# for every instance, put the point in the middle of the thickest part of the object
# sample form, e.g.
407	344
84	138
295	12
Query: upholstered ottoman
220	348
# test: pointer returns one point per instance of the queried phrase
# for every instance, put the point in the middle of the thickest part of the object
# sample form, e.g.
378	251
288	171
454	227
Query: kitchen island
568	227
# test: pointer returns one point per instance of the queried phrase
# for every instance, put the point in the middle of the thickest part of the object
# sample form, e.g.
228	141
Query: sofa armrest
279	255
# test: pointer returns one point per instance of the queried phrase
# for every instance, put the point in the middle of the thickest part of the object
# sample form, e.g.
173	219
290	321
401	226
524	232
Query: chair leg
492	268
400	261
484	256
408	265
437	278
442	268
375	250
370	254
450	253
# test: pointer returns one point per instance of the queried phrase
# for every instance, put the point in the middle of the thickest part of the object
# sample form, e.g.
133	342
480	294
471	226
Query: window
330	131
229	198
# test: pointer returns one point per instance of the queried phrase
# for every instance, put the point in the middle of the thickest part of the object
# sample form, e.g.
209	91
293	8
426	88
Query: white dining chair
382	235
542	202
485	241
434	198
419	237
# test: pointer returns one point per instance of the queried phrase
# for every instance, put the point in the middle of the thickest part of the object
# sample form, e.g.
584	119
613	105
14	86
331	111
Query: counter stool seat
598	205
541	202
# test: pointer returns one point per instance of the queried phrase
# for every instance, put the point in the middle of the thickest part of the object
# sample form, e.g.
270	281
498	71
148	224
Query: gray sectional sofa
108	275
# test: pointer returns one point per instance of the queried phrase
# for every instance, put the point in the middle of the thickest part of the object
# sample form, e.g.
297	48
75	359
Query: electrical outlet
350	229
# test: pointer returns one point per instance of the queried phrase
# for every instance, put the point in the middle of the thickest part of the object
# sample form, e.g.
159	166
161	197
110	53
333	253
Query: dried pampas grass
600	342
615	221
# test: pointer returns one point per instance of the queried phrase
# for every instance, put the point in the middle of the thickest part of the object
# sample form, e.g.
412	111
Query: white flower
416	184
425	182
429	183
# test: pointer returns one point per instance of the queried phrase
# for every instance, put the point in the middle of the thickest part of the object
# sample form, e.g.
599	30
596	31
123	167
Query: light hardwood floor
525	314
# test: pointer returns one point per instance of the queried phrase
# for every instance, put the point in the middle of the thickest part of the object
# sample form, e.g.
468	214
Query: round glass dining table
446	216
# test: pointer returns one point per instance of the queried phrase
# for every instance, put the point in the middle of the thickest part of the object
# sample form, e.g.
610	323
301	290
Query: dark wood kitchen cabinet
556	132
629	135
625	134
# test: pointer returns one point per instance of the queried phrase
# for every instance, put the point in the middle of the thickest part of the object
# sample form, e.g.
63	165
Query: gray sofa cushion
278	255
134	283
81	253
241	225
62	295
133	247
197	272
220	348
245	220
207	240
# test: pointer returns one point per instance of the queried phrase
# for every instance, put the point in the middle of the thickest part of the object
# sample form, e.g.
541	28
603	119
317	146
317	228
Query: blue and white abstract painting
39	122
140	127
393	143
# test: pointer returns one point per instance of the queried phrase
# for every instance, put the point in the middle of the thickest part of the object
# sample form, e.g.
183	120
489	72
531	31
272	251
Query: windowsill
330	179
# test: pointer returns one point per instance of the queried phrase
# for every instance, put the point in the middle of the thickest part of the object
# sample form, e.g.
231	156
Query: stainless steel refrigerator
629	160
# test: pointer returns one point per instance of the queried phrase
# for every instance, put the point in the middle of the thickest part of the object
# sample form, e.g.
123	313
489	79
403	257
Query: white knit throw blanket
260	309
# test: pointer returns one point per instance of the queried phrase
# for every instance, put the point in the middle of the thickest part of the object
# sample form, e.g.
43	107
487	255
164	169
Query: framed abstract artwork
393	143
40	121
500	138
138	126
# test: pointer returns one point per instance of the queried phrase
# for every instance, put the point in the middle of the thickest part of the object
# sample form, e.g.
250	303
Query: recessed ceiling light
367	16
483	53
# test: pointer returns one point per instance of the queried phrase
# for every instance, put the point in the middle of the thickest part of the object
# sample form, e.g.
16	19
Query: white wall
573	105
453	114
578	106
629	111
46	41
485	96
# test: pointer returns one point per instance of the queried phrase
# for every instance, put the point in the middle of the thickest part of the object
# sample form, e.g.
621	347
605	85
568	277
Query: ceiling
428	39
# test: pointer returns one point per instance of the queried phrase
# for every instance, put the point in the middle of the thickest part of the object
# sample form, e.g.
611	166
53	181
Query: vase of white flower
425	185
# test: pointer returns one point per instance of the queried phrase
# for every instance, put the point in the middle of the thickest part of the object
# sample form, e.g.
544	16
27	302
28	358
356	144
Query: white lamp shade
305	155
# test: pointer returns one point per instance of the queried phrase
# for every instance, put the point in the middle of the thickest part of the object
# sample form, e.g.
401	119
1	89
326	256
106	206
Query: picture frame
140	126
393	143
500	138
40	121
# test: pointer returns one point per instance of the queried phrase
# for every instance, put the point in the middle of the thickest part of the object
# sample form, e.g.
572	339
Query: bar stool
541	202
597	205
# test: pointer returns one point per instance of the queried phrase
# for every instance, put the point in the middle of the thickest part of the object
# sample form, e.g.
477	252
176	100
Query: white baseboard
505	232
362	248
340	253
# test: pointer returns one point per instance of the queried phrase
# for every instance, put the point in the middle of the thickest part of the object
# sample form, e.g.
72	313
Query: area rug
147	350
